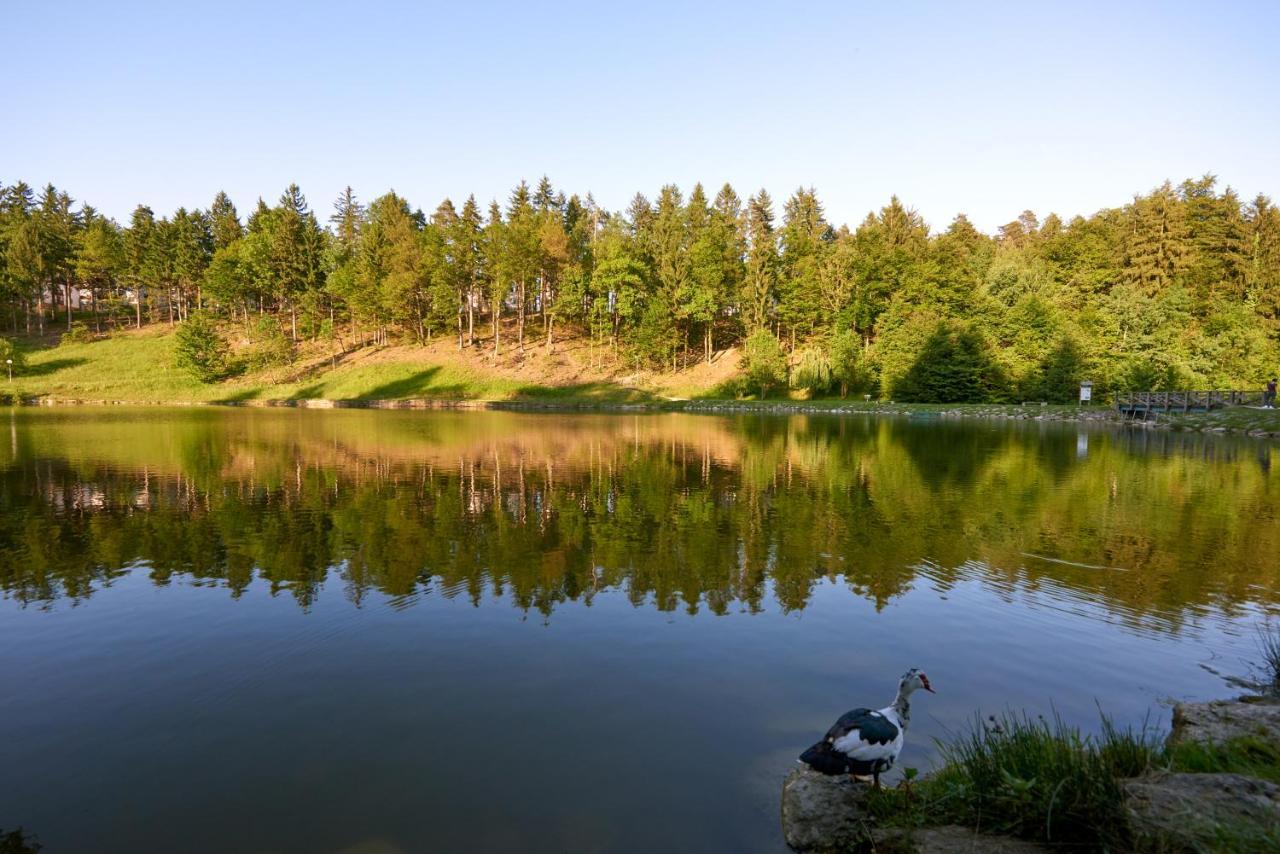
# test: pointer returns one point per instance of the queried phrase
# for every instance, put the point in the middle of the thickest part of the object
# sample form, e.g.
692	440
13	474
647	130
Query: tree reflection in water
678	511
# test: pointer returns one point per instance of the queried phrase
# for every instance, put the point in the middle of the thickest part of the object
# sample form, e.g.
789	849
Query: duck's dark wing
872	726
863	741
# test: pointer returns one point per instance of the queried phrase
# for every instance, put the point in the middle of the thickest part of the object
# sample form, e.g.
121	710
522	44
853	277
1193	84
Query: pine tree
806	239
762	263
224	222
1155	245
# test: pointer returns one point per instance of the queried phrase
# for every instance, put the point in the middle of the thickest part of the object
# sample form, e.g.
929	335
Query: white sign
1086	391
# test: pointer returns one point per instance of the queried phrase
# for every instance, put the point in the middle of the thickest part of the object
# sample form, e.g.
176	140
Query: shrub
270	346
79	333
764	364
9	350
200	350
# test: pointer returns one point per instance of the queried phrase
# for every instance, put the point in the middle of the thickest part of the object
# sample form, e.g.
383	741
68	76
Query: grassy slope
137	366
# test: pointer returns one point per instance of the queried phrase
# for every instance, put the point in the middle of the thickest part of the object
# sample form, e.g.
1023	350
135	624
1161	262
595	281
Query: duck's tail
825	759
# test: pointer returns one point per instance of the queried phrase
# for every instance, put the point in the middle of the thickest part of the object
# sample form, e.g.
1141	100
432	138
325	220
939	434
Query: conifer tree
762	263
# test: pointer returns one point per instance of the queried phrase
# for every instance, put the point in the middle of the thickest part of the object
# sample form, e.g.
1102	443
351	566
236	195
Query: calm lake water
278	630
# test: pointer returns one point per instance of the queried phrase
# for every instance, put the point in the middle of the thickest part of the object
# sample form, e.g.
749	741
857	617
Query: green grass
1046	781
1029	777
125	367
1237	419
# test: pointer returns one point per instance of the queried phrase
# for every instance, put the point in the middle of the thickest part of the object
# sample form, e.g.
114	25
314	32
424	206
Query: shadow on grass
310	392
597	392
419	384
45	368
240	396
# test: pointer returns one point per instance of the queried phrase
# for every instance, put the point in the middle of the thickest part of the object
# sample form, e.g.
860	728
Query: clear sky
1068	107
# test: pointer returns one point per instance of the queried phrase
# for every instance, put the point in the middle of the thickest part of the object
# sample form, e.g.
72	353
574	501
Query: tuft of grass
1269	649
1252	757
1030	777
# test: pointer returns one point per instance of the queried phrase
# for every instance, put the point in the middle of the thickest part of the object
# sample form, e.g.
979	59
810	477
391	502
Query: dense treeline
1180	288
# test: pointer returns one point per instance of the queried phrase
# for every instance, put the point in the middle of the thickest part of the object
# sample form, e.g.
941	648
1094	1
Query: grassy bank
138	367
1046	781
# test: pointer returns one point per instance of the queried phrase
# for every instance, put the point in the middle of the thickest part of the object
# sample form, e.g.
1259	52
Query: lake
374	632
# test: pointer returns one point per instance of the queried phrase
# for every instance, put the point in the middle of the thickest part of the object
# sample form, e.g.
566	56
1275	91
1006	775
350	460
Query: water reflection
679	512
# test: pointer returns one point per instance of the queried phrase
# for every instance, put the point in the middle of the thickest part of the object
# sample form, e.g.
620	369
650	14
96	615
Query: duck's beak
927	686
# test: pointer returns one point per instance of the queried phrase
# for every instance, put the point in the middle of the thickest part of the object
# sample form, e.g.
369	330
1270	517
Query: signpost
1086	392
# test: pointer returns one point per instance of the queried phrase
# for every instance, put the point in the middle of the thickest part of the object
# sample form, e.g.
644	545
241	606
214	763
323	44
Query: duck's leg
875	776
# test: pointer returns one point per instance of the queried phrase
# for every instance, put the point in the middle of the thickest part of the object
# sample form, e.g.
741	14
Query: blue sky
1062	107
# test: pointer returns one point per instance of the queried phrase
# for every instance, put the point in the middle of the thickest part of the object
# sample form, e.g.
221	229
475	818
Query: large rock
826	814
1174	811
829	814
1223	720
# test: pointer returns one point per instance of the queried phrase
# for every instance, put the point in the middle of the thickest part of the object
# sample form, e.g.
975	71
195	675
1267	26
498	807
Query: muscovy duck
865	741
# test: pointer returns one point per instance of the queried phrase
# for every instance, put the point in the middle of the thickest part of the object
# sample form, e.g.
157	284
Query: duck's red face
924	682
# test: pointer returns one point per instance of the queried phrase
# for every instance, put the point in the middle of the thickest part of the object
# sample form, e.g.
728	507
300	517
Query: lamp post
8	363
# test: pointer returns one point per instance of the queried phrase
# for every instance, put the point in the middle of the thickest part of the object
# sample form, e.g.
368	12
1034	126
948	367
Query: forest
1180	288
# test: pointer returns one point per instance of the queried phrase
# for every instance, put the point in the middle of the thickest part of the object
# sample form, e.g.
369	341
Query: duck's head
913	680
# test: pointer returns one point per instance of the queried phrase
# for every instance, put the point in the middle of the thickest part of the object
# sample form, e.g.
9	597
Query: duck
867	741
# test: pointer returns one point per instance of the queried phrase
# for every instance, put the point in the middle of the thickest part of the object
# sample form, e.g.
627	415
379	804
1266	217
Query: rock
950	839
1223	720
1176	811
821	813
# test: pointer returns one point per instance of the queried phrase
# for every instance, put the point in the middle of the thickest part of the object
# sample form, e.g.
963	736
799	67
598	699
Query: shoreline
1208	423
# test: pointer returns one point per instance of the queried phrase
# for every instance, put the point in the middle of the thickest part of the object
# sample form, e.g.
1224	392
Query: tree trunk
137	303
520	318
471	318
497	326
66	289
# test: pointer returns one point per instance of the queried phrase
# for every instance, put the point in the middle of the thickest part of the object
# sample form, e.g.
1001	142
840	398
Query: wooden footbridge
1144	404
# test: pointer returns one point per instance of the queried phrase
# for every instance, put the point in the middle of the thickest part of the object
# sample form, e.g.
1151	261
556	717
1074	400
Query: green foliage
79	333
9	352
269	345
1254	757
1057	378
764	365
1029	777
844	353
199	349
953	366
812	370
1178	289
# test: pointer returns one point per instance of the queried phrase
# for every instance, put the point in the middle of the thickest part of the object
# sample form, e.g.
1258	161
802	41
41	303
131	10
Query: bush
764	365
10	351
79	333
270	346
200	350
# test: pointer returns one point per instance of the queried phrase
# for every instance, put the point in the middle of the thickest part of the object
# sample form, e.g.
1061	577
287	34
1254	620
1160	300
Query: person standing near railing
1269	396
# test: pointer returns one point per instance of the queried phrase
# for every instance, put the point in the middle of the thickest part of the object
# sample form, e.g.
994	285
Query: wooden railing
1143	402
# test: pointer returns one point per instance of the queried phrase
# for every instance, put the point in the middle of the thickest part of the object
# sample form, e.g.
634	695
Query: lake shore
1256	423
136	368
